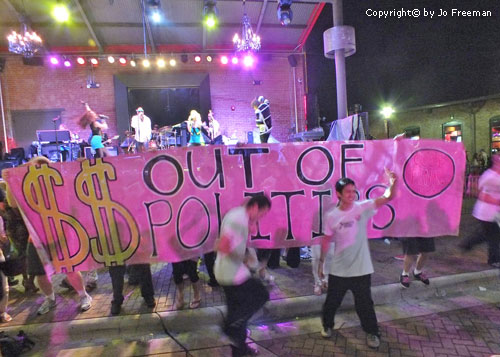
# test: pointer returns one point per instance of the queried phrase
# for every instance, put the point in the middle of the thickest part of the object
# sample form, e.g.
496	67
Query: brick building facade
232	89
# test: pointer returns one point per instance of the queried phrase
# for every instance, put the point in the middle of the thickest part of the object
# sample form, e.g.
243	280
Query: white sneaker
86	302
46	306
326	332
372	341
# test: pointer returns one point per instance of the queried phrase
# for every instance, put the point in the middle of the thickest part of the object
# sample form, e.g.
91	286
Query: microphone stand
59	156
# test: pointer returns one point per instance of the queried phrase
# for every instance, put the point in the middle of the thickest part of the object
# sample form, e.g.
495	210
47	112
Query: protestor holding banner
351	267
487	212
244	295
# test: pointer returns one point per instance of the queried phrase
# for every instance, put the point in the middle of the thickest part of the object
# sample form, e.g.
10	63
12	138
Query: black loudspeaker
250	137
33	61
312	111
2	64
292	60
184	138
7	164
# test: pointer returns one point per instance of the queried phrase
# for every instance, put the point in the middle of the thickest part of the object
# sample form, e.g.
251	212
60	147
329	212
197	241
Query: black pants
271	255
242	301
488	232
363	303
209	263
264	137
143	271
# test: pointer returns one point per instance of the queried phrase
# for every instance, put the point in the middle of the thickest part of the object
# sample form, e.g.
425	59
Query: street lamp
387	112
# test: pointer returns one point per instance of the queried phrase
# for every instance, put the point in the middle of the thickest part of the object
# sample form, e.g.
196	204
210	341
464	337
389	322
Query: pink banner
168	205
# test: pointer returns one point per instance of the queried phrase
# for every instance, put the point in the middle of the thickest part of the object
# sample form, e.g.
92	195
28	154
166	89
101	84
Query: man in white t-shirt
351	266
142	126
487	212
244	295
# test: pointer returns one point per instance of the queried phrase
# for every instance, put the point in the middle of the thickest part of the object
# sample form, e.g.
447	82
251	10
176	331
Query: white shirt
231	270
489	183
352	254
142	128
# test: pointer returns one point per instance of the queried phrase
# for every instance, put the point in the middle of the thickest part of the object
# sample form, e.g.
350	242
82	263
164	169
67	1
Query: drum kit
161	138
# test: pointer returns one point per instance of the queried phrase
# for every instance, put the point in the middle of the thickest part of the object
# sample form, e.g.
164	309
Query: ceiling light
146	63
25	43
197	59
67	63
209	58
80	60
54	60
248	41
173	62
234	60
210	13
224	60
133	63
94	61
111	59
60	13
122	60
161	62
248	60
285	14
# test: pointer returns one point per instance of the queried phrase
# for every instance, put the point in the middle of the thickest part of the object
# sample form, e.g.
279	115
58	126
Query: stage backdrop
168	205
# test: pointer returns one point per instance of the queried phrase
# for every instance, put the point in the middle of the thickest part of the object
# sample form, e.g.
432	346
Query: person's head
194	116
346	190
257	207
255	103
210	115
37	161
140	111
86	119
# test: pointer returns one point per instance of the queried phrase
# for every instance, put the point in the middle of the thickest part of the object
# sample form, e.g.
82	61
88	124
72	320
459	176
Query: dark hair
255	103
2	195
261	200
343	182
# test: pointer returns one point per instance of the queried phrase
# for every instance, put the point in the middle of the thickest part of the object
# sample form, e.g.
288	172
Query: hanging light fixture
248	41
26	43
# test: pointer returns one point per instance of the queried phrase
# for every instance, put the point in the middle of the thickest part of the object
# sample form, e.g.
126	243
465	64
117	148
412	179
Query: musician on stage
97	124
263	118
142	126
213	128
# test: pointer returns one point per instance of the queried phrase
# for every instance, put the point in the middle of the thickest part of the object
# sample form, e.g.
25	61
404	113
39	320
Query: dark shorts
414	246
35	266
188	267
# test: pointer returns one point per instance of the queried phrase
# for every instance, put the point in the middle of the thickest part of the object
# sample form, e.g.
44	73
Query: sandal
194	304
5	317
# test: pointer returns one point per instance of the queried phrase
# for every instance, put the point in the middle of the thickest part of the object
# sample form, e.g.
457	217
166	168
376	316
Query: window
495	134
452	131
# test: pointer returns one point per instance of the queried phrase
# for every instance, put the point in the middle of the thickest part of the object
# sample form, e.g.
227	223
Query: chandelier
249	41
26	43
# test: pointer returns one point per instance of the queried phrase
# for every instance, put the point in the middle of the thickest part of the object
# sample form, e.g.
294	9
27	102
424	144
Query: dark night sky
410	61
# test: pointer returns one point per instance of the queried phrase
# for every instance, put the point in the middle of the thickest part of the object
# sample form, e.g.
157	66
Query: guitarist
97	124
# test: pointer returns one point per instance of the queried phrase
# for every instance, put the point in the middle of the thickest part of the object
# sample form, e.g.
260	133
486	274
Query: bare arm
390	193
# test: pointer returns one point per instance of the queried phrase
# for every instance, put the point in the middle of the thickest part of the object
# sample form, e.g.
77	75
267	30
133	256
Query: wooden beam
89	25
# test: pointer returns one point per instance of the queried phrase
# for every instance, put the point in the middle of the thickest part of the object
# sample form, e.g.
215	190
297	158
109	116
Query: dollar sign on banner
46	206
105	250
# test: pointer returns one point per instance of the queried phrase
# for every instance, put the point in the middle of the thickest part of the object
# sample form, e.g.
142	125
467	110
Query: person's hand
399	136
392	176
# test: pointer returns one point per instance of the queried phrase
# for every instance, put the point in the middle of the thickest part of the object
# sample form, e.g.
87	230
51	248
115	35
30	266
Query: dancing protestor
487	213
194	125
97	125
188	267
244	295
142	126
420	248
351	266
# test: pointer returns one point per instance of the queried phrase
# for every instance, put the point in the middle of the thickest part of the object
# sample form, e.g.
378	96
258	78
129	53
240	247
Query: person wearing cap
142	126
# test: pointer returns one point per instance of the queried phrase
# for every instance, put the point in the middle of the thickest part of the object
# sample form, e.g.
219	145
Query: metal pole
3	119
295	100
340	74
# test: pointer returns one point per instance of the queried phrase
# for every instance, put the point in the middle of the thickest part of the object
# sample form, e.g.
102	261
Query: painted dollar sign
46	206
108	248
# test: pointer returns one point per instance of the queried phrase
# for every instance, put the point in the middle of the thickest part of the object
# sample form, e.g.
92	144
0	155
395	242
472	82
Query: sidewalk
292	288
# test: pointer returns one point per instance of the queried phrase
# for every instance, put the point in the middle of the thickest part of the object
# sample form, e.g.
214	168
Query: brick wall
34	88
431	121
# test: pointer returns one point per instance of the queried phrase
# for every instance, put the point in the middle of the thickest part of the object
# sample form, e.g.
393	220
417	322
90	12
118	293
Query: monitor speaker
292	60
